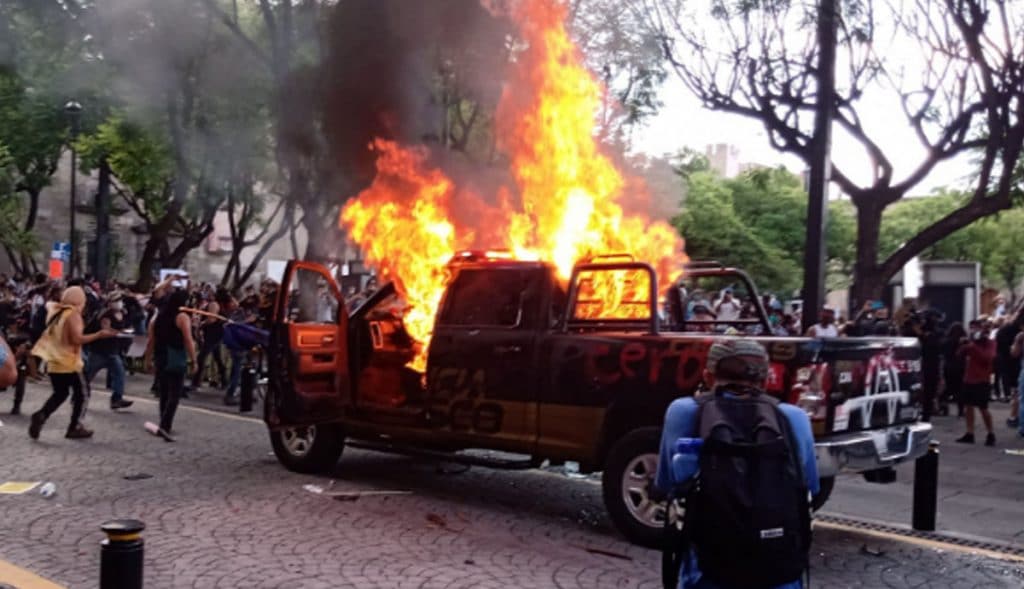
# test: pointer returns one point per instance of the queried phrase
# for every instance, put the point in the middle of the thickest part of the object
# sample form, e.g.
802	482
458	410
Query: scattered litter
355	495
469	561
48	490
151	427
602	552
137	476
448	468
1014	451
1	423
17	487
871	551
349	495
439	521
572	470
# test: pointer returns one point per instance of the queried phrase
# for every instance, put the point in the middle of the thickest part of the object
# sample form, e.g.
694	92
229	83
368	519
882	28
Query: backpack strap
56	317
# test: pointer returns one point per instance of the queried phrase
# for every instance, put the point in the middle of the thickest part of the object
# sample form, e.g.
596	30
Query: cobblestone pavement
220	512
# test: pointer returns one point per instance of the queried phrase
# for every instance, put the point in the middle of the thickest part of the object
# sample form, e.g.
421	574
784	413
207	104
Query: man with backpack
744	463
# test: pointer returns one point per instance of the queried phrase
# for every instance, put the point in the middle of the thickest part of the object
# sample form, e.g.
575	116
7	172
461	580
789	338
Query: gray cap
738	358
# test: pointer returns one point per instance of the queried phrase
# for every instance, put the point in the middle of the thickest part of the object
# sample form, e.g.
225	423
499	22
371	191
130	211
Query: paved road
221	513
981	490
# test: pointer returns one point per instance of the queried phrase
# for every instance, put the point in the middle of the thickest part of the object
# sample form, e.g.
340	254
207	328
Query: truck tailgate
875	383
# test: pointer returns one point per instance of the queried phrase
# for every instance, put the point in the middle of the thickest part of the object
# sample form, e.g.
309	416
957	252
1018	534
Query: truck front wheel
308	449
627	485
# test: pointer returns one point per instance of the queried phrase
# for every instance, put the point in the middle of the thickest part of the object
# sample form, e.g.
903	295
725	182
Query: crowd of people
76	329
968	367
79	328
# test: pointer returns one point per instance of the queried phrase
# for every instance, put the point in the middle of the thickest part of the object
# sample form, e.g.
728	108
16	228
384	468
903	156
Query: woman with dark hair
172	348
953	368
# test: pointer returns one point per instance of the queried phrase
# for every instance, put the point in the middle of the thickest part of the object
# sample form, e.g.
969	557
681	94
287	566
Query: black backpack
747	515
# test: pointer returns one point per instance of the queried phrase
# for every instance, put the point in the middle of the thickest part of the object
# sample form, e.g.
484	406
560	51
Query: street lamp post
74	111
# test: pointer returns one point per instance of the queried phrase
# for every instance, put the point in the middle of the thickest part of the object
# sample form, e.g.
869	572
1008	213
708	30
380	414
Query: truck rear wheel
308	449
627	485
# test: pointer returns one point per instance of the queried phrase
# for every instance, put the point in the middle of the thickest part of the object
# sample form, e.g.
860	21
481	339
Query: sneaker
79	432
965	439
1012	422
231	400
120	404
36	425
990	439
166	435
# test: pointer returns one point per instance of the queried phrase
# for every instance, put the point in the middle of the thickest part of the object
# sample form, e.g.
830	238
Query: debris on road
603	552
440	522
48	490
137	476
355	495
350	495
871	551
1014	451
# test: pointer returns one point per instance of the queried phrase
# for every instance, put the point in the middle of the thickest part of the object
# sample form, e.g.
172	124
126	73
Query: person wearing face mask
106	353
61	347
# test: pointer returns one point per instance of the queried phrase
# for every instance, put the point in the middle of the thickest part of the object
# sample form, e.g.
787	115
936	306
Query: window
312	299
613	294
492	297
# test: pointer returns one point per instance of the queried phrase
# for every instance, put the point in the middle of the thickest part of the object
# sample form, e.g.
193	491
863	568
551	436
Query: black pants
170	385
211	347
63	385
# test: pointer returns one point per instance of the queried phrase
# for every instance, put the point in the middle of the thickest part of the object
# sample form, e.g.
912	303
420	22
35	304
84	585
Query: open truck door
309	381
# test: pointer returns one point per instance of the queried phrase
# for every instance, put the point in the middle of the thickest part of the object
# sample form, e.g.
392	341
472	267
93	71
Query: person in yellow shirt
61	347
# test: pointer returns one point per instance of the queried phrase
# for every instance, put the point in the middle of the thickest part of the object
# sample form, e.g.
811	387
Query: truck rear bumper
869	450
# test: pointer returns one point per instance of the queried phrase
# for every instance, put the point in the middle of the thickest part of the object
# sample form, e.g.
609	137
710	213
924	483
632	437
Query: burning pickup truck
522	369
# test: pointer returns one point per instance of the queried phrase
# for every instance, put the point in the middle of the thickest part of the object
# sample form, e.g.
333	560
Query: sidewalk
981	490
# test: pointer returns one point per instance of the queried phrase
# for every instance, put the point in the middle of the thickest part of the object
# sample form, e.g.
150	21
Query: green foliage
139	157
996	242
721	221
757	221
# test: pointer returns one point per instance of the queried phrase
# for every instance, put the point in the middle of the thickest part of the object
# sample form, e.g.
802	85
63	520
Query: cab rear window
491	298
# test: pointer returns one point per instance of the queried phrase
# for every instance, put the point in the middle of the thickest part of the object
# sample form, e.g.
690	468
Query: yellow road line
22	579
922	542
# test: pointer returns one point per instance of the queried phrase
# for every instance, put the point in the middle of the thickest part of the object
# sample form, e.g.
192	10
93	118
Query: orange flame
569	193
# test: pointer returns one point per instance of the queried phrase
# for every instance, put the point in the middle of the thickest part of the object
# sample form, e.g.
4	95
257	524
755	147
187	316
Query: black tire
320	451
826	484
634	451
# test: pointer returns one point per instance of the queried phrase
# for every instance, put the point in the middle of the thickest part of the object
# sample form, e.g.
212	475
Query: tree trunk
147	263
323	239
868	283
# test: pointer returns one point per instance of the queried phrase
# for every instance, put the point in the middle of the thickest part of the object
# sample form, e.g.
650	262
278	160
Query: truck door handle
327	339
507	349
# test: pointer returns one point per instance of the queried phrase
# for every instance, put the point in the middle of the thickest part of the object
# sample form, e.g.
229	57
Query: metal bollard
926	489
121	554
246	386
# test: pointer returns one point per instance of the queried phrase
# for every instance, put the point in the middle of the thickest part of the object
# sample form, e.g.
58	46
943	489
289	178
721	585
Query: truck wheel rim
637	477
298	440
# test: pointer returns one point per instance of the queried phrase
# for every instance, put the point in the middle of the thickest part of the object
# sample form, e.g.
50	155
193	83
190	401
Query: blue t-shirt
681	422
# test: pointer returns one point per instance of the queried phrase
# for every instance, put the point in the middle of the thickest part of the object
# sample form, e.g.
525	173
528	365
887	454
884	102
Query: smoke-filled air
565	202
